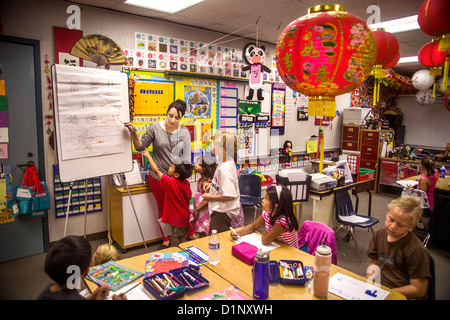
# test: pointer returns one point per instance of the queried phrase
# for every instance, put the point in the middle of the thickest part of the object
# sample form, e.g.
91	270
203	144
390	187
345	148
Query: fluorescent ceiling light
408	59
168	6
398	25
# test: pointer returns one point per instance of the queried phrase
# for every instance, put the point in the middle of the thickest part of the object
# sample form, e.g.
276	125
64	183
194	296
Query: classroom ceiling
240	17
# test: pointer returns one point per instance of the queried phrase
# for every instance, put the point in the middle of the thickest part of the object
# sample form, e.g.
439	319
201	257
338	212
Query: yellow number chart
155	91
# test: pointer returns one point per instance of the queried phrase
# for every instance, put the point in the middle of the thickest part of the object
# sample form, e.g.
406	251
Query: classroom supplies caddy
289	272
245	252
175	283
32	196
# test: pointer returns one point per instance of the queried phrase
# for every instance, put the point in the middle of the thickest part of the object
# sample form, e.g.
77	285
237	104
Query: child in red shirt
177	198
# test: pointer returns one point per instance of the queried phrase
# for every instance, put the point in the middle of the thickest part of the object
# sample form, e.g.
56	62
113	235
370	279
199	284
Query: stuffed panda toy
255	56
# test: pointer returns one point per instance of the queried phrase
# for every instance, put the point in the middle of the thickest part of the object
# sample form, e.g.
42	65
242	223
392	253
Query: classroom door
20	69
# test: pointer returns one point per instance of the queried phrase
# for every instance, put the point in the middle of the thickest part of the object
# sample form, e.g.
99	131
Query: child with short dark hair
277	216
403	261
65	257
176	198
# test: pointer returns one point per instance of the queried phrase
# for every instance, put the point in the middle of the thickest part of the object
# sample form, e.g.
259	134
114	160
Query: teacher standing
171	144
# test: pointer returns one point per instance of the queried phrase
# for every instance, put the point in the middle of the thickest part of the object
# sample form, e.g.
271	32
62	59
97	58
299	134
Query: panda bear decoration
254	56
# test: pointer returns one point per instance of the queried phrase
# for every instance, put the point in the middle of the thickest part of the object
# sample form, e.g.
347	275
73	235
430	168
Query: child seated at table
104	253
176	198
277	217
71	253
402	260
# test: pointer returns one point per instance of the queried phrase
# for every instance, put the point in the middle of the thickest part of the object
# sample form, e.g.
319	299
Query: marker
235	232
132	127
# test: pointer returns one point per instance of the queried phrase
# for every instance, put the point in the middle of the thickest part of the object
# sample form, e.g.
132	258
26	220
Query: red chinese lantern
394	62
430	57
387	49
325	53
433	19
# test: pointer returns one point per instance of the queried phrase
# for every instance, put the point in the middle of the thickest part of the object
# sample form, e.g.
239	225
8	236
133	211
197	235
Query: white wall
36	19
425	126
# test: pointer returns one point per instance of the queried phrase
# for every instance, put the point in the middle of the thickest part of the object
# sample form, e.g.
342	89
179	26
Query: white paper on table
137	293
255	239
352	289
406	183
353	219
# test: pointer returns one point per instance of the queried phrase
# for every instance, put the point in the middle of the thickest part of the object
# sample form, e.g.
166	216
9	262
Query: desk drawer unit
370	138
350	137
369	153
350	133
350	145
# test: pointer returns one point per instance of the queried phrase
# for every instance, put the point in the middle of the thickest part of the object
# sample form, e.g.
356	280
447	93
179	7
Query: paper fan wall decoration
98	49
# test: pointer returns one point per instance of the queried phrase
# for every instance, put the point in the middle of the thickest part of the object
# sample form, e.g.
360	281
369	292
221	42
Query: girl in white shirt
223	196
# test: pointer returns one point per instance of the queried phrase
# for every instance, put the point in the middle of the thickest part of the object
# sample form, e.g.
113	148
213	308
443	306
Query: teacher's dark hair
179	105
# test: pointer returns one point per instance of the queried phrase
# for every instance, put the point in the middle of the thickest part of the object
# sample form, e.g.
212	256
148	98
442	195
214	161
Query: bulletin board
153	97
199	94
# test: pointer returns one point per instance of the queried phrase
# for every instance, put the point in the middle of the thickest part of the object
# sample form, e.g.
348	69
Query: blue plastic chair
345	214
250	190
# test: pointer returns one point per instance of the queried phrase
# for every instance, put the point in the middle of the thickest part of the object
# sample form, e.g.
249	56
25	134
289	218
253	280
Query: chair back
344	206
250	185
312	233
416	193
432	281
299	189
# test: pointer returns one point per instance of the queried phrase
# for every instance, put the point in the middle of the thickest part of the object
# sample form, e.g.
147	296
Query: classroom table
216	282
240	274
442	185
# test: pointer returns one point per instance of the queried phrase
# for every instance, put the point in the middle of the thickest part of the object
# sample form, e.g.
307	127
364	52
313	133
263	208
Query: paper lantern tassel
446	67
322	106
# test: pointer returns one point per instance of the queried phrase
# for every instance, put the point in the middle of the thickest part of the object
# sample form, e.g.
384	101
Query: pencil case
245	252
289	272
183	279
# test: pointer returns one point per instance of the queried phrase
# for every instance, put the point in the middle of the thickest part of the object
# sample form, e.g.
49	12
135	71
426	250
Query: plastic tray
275	275
180	276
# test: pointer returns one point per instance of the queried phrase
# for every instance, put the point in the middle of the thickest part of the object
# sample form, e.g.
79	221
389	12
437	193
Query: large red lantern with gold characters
325	53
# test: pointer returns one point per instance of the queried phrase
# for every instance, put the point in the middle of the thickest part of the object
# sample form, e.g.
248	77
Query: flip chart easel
91	140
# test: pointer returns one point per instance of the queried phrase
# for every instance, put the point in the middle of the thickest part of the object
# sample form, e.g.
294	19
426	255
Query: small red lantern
394	62
430	57
433	20
387	47
325	53
433	17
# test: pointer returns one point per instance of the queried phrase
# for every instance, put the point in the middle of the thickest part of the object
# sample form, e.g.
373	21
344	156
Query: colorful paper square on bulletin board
153	97
4	119
198	100
3	103
2	88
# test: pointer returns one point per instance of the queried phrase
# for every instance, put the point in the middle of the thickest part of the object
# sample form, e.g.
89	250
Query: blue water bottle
261	275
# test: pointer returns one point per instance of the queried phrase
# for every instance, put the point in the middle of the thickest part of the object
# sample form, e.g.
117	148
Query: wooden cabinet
350	137
371	147
124	227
